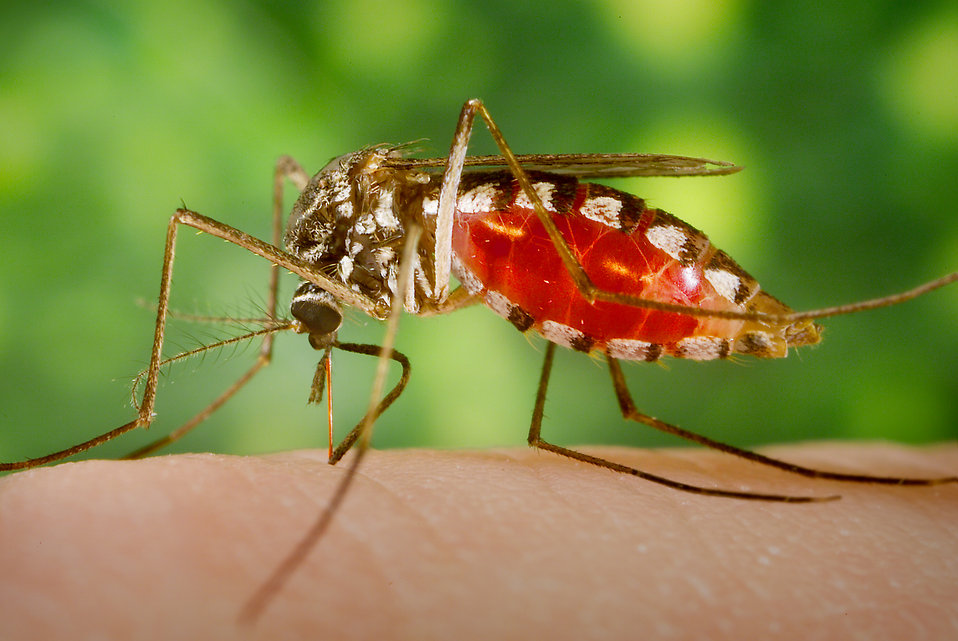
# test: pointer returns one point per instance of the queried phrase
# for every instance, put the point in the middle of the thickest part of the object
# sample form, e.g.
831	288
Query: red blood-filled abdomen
511	253
502	254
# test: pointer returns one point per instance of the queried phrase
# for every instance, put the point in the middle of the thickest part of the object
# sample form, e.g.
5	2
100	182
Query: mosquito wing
588	165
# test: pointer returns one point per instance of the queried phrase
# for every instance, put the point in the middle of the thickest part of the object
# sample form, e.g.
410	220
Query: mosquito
583	265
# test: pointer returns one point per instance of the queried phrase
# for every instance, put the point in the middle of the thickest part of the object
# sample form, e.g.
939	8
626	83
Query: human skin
499	544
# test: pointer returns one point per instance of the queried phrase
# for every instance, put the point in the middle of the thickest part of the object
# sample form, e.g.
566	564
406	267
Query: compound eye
317	310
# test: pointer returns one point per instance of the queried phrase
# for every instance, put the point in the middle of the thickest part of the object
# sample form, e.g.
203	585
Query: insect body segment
501	253
351	218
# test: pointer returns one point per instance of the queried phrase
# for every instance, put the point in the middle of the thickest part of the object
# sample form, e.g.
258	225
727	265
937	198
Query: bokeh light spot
920	79
379	38
682	36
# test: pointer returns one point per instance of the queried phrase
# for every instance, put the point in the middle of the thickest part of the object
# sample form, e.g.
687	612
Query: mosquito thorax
317	313
351	219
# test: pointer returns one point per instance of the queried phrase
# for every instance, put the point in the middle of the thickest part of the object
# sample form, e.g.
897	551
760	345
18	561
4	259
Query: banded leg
446	211
629	412
535	440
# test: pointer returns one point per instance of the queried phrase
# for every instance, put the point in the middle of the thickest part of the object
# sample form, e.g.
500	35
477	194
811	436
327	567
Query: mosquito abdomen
503	254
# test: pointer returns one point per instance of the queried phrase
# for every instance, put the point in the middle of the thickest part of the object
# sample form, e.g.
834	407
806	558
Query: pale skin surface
492	544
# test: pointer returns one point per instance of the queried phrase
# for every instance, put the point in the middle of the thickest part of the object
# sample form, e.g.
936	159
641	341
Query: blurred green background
845	117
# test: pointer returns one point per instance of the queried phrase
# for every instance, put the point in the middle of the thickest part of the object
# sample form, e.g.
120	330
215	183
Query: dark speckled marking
754	343
582	343
654	352
520	318
563	191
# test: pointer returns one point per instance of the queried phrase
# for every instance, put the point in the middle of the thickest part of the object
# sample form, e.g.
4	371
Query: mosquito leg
70	451
258	602
457	299
261	362
583	283
145	413
286	167
447	204
371	350
252	244
203	414
535	440
271	587
231	234
448	196
629	411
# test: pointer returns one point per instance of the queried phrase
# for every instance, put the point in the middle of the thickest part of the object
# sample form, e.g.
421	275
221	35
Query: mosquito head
317	313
